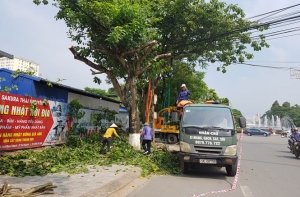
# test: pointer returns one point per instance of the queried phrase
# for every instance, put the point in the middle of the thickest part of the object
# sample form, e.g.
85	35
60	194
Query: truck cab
208	137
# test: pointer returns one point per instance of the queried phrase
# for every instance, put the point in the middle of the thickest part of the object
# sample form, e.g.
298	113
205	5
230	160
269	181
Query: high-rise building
16	63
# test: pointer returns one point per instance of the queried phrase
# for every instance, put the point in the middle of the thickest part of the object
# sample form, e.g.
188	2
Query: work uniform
183	95
147	137
107	138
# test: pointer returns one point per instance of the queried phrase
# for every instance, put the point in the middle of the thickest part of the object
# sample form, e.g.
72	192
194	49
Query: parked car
257	132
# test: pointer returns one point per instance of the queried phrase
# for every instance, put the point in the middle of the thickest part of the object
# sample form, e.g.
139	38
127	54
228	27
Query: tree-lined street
155	68
267	169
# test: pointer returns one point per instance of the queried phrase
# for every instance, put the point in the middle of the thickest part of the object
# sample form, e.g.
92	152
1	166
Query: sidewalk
101	181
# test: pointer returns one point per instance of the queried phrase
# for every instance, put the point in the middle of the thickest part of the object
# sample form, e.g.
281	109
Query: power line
277	23
275	62
283	37
278	17
267	17
280	25
255	65
280	32
273	11
284	31
264	66
271	67
284	24
243	30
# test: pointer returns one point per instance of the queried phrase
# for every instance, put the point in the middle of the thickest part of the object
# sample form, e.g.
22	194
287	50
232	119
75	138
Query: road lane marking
246	191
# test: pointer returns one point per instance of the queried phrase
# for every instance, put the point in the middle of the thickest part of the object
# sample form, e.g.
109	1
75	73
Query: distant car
257	132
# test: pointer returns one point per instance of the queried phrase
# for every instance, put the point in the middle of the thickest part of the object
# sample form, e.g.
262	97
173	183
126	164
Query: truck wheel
172	139
231	170
184	167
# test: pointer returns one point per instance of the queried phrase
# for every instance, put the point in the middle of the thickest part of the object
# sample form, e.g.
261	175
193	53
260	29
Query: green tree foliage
100	117
112	92
75	114
29	71
133	40
184	73
284	110
98	91
236	114
275	104
211	94
74	110
179	74
109	93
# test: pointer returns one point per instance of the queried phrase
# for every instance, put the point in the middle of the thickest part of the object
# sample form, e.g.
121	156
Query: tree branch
109	52
147	52
182	54
104	50
158	57
86	61
169	55
163	56
152	43
116	85
156	82
123	63
96	73
100	68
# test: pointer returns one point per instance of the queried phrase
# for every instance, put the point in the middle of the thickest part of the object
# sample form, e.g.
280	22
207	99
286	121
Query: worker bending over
107	137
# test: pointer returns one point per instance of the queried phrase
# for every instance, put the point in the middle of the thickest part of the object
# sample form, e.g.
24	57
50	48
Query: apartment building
11	62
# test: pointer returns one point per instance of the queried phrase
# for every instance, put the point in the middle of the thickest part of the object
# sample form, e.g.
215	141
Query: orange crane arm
148	101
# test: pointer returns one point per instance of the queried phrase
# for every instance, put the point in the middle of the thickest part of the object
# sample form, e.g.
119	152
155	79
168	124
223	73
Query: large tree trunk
130	90
134	136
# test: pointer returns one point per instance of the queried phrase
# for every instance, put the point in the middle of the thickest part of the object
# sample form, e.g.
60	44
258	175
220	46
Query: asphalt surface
267	169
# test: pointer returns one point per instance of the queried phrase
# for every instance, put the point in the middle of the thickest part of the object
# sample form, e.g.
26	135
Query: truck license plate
208	161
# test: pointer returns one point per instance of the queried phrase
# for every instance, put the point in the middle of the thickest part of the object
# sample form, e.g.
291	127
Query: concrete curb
129	188
117	187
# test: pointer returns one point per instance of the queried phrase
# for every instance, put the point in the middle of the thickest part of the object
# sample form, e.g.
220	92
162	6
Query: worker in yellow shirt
107	137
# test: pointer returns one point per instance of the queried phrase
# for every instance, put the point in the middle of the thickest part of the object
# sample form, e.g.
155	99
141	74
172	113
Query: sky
32	32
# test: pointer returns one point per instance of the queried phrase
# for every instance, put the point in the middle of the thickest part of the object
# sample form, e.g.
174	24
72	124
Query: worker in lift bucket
183	94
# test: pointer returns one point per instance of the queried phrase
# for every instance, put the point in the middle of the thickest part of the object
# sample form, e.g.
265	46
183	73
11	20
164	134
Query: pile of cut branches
76	155
6	190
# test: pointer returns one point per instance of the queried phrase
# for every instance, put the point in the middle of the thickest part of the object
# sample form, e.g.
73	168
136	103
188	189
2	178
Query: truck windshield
208	117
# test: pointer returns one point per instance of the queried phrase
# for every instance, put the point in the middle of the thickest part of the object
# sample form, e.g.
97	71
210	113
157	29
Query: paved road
267	169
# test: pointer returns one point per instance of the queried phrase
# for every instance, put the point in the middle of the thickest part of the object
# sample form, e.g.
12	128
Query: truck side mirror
242	122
